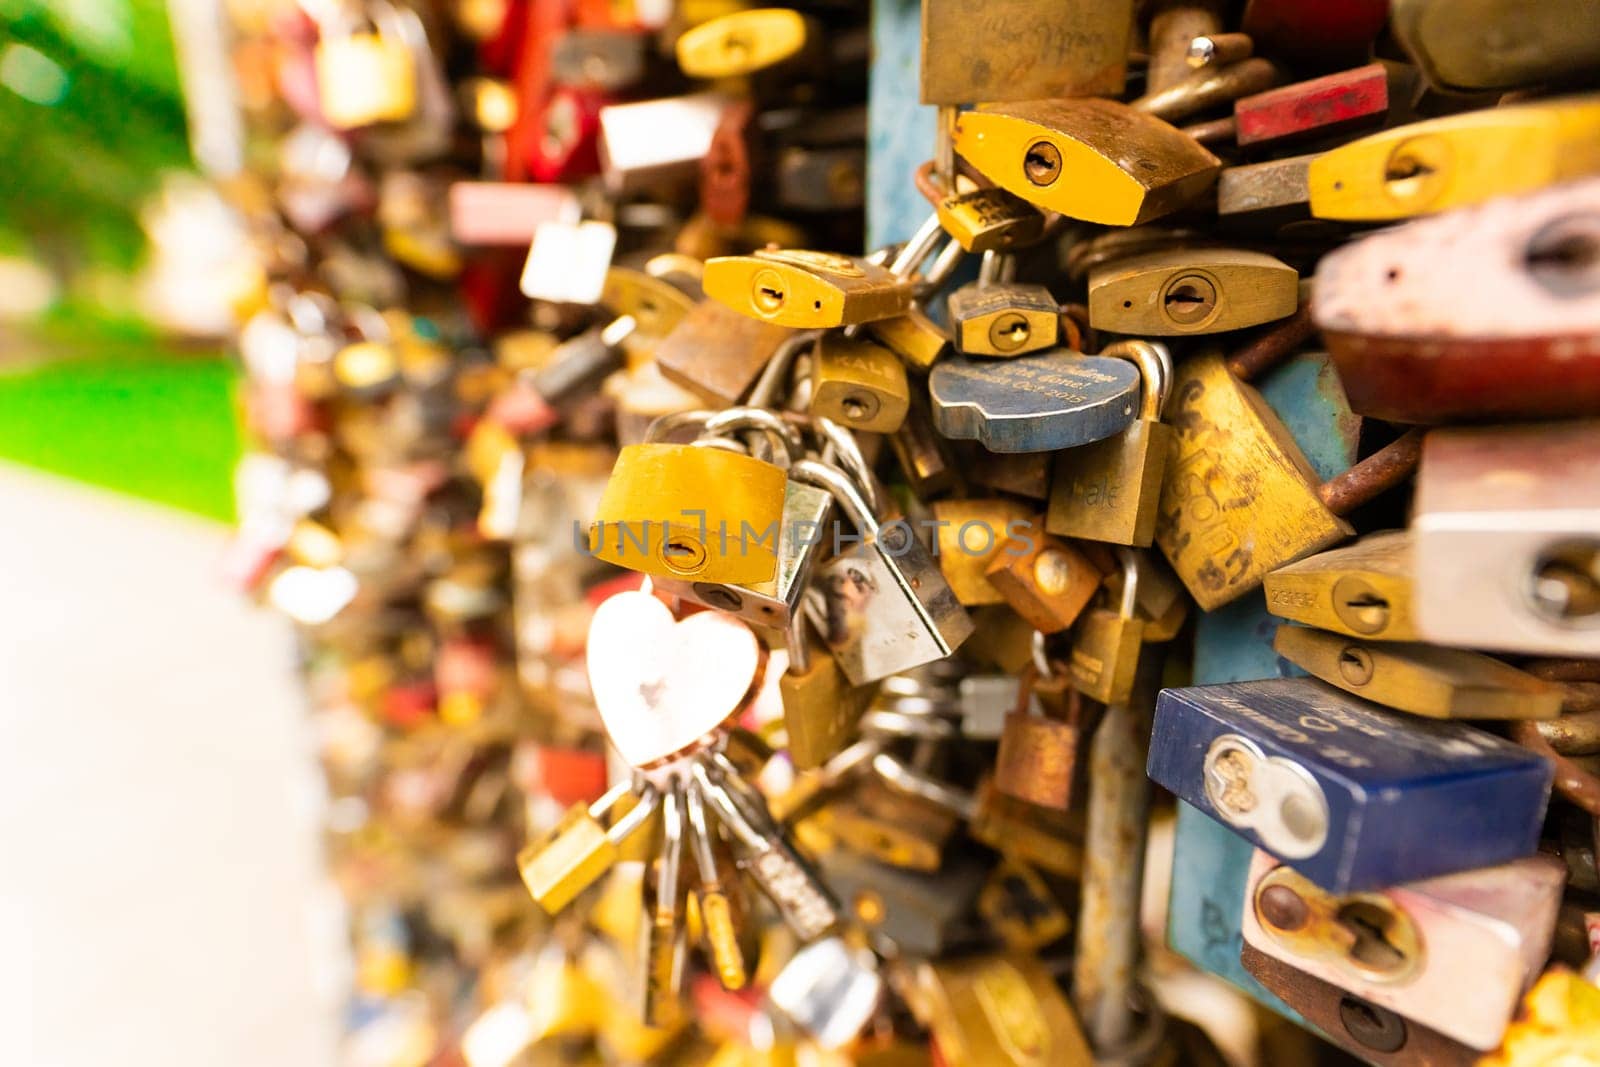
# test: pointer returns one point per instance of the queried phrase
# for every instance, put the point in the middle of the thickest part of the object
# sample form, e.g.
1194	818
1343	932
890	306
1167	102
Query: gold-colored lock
1363	589
655	304
1108	490
820	706
364	78
1161	294
1045	580
1559	1023
999	1010
743	42
1367	933
1003	318
989	220
684	511
891	827
1019	905
716	353
579	849
859	383
1051	840
1457	160
915	338
807	290
1440	683
1106	643
974	533
1095	160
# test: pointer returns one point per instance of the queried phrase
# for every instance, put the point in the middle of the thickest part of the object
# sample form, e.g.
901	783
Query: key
1355	796
661	941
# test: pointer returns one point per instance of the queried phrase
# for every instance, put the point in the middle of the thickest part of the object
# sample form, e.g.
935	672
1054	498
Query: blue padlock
1352	795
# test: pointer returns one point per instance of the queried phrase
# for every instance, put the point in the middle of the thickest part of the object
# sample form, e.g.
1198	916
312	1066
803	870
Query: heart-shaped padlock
662	685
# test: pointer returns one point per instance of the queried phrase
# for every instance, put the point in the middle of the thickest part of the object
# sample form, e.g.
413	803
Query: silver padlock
884	605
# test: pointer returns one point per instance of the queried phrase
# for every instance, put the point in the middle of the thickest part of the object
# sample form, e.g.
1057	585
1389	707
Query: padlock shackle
731	420
1375	475
842	448
844	491
663	425
1155	373
795	642
637	816
776	372
1129	559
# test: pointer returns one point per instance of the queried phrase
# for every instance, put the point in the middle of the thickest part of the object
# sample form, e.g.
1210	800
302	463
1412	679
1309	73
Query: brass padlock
820	707
915	338
1047	839
1021	908
989	220
891	827
1440	683
806	290
1094	160
858	383
1457	160
682	511
1045	580
744	42
366	75
717	354
1038	756
1106	643
971	534
994	317
1239	499
1362	589
1164	294
580	848
999	1010
1108	490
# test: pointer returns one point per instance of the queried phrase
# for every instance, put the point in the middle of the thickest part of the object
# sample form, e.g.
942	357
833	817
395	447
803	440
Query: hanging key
661	934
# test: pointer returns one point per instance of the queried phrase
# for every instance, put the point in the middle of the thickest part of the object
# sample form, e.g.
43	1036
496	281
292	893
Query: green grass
129	415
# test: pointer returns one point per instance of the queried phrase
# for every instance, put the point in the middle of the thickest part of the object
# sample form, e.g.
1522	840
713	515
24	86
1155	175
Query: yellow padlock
1095	160
743	42
690	512
363	78
1457	160
807	290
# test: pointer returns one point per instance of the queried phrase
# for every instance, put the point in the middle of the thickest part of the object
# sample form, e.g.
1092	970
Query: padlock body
649	516
717	354
915	338
1005	319
1045	580
971	535
567	860
1110	490
1037	760
860	384
1105	655
820	709
1166	294
1239	500
1362	589
806	290
989	220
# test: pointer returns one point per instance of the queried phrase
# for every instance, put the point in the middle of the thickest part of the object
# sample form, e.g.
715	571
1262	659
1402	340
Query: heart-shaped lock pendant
662	685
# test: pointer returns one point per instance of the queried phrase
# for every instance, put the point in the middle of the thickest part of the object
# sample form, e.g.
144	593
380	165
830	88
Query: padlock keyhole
1371	948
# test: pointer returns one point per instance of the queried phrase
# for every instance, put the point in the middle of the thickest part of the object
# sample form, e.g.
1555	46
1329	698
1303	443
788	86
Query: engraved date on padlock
1272	796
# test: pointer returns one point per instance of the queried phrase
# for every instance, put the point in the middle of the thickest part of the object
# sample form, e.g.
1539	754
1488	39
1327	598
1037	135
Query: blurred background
164	896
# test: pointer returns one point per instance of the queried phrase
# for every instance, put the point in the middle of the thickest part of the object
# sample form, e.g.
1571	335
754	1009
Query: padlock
1124	167
921	452
820	179
1407	947
507	213
607	59
1039	753
989	220
1514	338
1559	1020
569	262
1265	197
799	537
1036	403
1332	104
1045	580
1222	537
656	298
1050	50
1362	589
1024	474
647	521
999	1009
886	608
806	289
830	991
923	913
1047	839
1022	908
1165	294
994	317
916	339
1461	49
1439	683
859	384
1504	549
657	143
899	831
366	75
970	534
1108	490
1457	160
820	708
568	148
1376	1034
1106	642
1354	795
573	855
744	42
726	168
